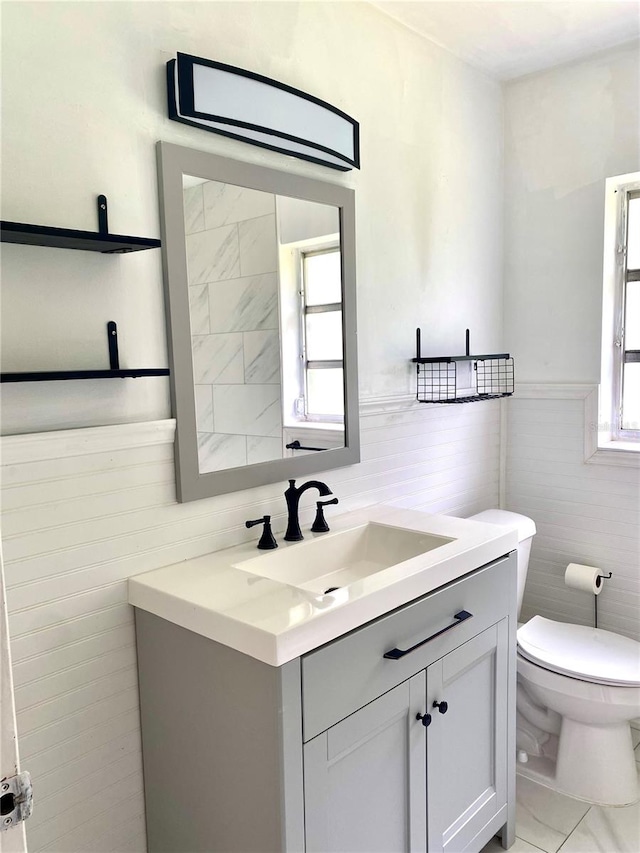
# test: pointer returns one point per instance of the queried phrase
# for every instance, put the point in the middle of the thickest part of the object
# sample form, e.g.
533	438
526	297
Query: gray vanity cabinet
381	781
365	780
326	753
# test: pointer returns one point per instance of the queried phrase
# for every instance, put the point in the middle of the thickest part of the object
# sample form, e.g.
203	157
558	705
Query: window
321	335
620	388
629	347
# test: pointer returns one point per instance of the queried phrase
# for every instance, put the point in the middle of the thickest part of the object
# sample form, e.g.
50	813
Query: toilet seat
588	654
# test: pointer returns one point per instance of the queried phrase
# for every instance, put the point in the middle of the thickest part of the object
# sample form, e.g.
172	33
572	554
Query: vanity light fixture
242	105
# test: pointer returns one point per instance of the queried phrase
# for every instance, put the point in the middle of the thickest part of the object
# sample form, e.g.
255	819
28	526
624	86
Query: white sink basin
273	605
336	560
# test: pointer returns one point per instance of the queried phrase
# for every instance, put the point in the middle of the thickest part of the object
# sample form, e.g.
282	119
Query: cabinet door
365	777
467	745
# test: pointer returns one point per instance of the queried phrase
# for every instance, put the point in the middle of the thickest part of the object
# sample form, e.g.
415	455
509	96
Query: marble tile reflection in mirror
265	308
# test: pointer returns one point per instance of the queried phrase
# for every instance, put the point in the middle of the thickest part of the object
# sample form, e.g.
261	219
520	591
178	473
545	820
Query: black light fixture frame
185	99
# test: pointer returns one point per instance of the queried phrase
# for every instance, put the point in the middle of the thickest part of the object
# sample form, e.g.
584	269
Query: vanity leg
508	832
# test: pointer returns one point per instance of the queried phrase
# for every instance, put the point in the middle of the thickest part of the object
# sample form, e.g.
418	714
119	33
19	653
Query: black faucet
292	497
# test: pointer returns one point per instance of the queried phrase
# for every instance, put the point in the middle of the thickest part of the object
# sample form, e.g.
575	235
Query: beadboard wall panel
86	509
584	513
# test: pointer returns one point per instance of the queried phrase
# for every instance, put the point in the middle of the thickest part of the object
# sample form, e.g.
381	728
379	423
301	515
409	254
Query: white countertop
275	622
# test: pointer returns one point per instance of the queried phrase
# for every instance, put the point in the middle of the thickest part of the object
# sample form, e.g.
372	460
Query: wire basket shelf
438	378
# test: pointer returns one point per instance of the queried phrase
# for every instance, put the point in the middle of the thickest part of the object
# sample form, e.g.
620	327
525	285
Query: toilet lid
590	654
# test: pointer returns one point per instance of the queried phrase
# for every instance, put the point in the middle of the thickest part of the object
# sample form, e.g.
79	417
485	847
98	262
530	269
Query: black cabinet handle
426	719
443	707
396	654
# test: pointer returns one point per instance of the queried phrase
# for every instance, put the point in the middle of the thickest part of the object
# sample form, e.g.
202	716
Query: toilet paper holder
595	599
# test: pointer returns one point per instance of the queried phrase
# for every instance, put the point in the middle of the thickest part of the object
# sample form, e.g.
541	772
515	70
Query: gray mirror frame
173	162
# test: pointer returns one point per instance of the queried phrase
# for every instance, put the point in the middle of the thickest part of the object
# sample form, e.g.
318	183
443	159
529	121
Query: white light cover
246	106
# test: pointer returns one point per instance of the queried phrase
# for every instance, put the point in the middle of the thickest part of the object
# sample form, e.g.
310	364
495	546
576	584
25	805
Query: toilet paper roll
586	578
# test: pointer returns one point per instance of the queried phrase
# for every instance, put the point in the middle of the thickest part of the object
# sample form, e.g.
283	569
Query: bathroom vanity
376	717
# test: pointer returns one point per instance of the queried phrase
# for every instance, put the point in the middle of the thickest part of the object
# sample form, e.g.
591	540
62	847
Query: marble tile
606	830
226	203
193	209
213	255
204	408
217	358
262	449
544	817
258	245
519	846
216	451
261	358
247	409
199	309
244	304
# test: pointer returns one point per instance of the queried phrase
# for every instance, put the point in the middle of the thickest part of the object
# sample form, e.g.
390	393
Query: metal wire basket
438	379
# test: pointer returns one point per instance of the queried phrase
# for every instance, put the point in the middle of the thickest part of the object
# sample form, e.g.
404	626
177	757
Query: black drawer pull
396	654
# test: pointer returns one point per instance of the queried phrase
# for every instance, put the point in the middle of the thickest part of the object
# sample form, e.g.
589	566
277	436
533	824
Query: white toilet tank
526	529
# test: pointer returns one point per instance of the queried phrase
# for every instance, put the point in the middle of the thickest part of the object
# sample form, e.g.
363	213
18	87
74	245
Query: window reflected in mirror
265	306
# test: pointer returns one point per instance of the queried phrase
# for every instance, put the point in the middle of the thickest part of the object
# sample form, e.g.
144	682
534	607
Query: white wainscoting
585	513
86	509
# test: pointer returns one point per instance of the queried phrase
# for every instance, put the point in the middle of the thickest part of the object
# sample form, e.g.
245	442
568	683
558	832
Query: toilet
578	690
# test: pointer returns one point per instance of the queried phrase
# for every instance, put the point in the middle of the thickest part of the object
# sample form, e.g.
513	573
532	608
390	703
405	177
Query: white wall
83	105
566	131
84	101
585	513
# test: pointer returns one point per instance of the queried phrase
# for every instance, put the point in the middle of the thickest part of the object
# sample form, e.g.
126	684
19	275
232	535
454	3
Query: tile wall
233	293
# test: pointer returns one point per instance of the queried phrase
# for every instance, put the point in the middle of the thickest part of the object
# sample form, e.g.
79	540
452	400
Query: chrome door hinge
16	799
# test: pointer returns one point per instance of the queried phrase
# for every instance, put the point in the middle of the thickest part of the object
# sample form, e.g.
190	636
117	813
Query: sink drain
331	589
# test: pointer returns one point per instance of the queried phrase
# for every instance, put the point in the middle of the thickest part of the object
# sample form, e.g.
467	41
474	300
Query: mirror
259	269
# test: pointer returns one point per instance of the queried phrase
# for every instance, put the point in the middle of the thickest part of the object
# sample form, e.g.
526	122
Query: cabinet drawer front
344	675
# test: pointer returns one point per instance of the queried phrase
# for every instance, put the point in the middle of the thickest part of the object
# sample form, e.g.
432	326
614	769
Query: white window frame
305	363
611	436
292	327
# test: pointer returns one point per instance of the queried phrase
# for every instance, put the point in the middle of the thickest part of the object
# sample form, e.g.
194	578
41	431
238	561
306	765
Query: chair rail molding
56	444
553	390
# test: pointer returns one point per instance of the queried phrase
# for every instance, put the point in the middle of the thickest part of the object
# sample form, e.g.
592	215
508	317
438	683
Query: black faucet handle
267	541
320	524
327	503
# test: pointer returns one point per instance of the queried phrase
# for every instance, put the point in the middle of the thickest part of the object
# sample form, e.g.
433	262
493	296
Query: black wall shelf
56	375
68	238
437	377
114	372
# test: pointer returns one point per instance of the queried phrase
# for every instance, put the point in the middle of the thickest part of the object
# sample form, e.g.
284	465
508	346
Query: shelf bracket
103	220
112	340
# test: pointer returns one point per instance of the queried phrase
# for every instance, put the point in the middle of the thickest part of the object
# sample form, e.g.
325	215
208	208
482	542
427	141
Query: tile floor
553	823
